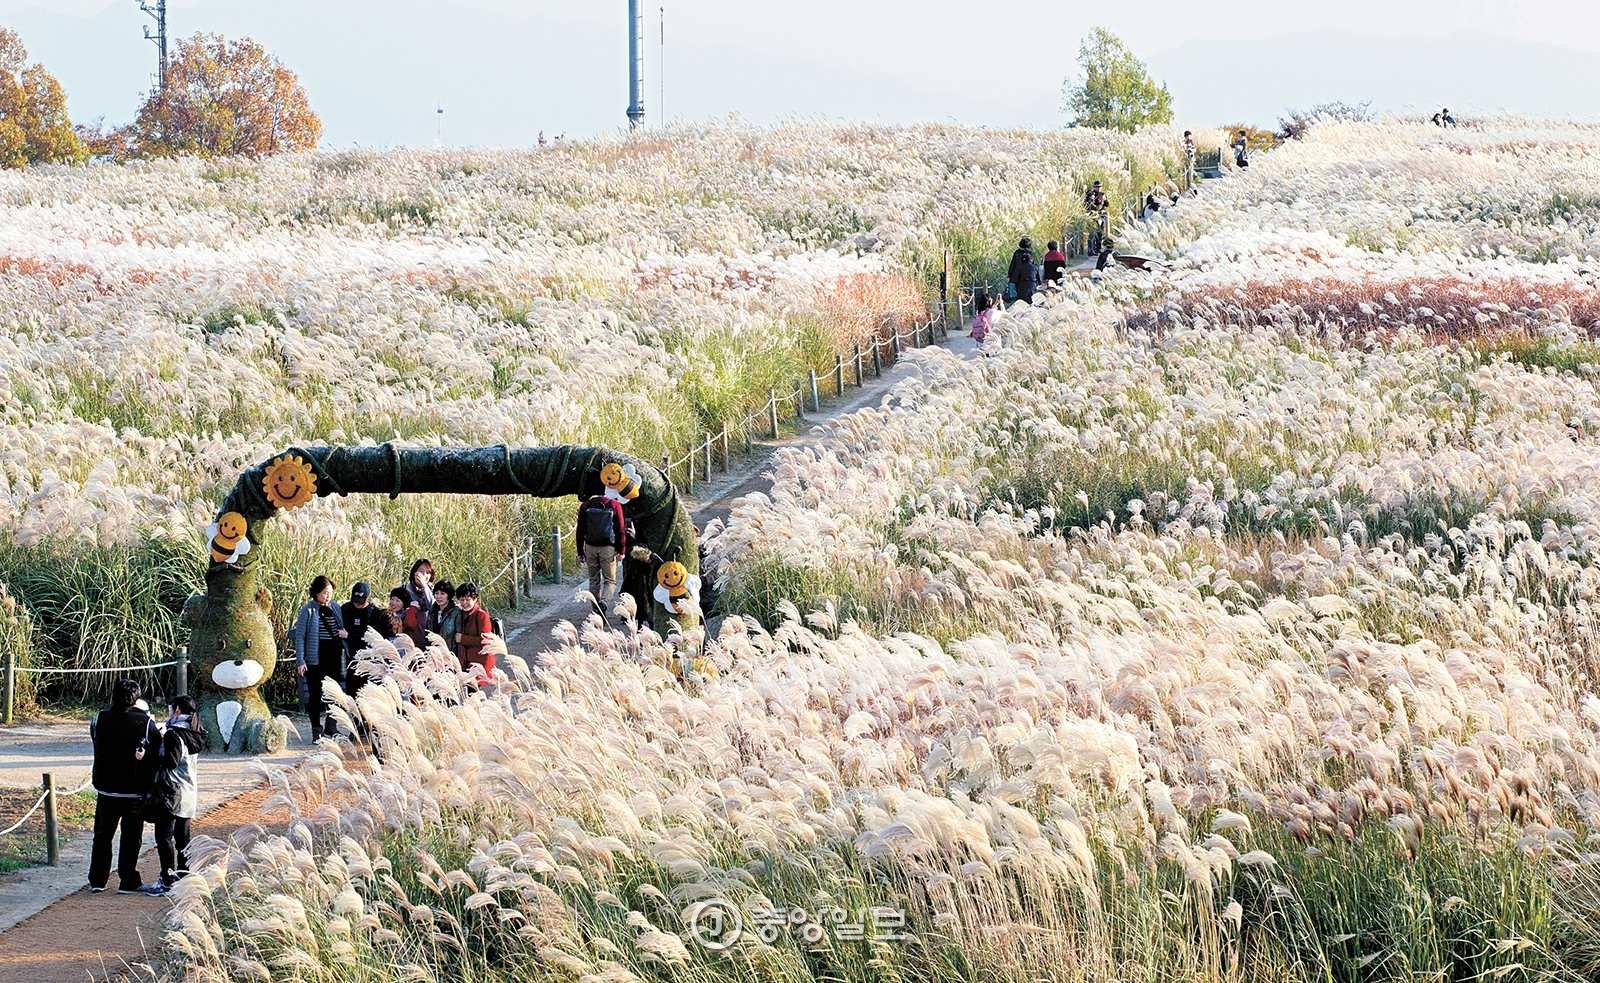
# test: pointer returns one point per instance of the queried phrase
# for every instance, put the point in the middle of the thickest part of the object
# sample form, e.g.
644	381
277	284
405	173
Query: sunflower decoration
621	481
290	482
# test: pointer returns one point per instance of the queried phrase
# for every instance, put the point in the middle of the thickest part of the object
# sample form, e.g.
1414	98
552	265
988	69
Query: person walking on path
1098	207
445	620
174	793
1055	265
983	321
125	740
1241	149
475	623
319	639
1024	278
602	536
1189	172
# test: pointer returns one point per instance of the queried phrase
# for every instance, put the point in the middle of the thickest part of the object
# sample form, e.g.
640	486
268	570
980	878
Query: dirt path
87	936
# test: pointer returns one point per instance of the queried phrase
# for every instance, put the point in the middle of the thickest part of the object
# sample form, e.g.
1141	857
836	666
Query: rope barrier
25	816
41	671
39	802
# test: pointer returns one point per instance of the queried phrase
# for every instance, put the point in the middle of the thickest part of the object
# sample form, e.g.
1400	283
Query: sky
505	70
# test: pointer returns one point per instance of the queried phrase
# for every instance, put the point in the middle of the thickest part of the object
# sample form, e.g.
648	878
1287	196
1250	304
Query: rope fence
715	451
11	672
52	826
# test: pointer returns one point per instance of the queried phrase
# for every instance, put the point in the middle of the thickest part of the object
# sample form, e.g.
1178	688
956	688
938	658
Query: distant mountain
1222	81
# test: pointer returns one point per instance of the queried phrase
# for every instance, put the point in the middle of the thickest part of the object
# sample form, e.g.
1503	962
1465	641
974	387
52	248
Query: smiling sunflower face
290	482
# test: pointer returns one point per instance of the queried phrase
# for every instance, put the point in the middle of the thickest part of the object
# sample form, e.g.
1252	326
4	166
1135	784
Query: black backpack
599	523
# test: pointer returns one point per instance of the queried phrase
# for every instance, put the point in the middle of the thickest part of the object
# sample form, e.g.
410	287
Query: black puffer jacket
1022	272
117	736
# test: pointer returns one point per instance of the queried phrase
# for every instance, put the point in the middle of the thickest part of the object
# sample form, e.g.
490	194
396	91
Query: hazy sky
505	69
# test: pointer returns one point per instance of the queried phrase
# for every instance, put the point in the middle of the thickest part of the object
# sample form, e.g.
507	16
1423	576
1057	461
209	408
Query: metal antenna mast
635	64
159	14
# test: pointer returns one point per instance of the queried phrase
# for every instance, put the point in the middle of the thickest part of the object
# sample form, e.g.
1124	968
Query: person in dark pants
126	742
1024	278
319	650
175	795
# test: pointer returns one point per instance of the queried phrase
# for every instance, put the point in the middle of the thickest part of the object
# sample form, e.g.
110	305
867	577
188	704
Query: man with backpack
602	537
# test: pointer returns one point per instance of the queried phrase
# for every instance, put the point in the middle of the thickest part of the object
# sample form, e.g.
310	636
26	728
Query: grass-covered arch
231	641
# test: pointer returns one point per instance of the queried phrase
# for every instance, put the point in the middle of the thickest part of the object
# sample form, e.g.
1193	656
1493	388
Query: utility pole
661	68
635	64
158	13
438	126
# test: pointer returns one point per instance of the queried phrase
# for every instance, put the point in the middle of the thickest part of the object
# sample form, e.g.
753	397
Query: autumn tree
225	98
1115	90
34	127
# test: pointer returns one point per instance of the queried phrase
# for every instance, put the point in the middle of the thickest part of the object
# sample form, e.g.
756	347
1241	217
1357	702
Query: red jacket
472	629
616	509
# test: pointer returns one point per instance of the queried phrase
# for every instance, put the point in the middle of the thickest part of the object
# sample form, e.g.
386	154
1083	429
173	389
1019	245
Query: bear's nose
238	662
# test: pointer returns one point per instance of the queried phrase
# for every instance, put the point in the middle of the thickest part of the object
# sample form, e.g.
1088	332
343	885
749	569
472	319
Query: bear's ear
264	600
193	609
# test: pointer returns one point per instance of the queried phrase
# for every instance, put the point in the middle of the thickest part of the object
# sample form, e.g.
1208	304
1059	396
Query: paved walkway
63	749
528	630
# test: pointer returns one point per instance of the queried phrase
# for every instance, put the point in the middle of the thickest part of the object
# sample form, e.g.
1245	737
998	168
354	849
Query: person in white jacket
175	794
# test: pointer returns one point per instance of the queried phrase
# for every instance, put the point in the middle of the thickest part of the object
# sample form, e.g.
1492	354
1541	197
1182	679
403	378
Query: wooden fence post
555	554
725	464
708	456
877	358
838	374
180	672
52	829
859	381
772	409
816	396
689	460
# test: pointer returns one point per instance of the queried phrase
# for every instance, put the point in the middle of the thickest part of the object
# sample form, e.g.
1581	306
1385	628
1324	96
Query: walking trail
528	631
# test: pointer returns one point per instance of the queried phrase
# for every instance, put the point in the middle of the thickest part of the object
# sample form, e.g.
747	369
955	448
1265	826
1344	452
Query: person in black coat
1023	275
126	746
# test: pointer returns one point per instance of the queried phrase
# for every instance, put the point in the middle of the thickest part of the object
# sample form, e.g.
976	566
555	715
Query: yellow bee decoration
621	481
228	542
676	585
290	482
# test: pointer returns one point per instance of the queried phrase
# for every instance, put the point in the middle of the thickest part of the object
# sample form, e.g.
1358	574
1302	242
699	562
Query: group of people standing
1443	118
327	637
144	771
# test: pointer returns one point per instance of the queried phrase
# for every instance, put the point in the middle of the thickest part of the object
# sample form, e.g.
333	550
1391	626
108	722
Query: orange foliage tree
225	98
34	127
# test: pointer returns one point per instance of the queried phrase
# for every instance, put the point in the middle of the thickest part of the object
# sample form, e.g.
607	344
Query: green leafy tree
34	127
1114	90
